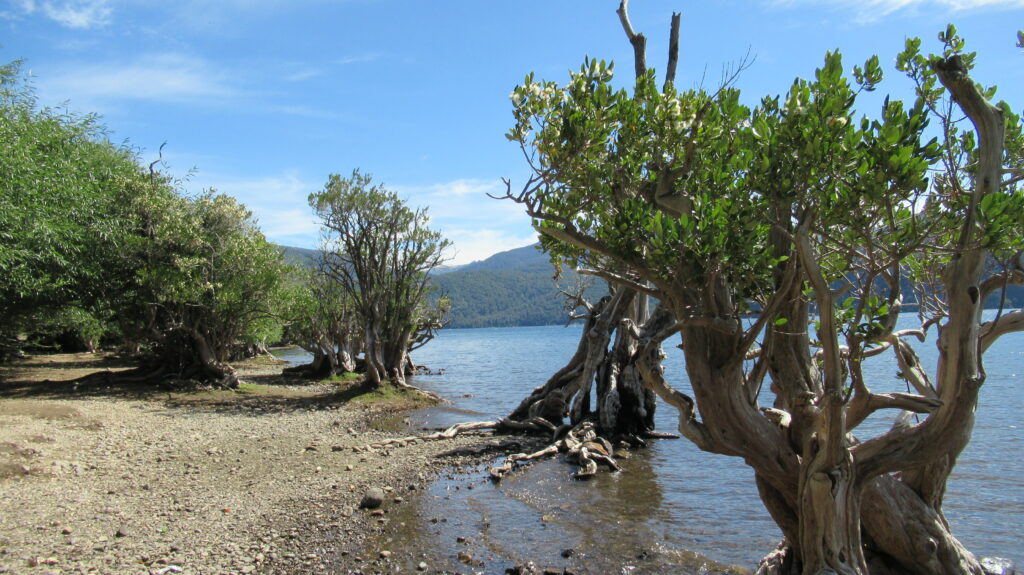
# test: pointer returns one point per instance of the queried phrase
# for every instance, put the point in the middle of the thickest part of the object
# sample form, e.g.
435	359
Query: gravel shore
268	480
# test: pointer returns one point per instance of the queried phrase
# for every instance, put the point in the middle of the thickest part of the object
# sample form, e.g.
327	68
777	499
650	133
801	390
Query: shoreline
138	481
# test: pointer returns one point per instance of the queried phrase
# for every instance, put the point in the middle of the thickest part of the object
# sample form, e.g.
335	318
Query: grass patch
346	377
388	396
250	388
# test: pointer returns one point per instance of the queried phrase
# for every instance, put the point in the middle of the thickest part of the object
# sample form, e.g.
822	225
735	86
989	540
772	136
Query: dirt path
99	479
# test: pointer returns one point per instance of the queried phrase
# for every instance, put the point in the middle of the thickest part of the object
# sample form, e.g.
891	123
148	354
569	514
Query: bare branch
999	281
673	53
860	410
993	330
639	41
623	281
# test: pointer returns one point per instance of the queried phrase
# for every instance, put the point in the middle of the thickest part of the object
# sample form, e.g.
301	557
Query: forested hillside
511	288
516	287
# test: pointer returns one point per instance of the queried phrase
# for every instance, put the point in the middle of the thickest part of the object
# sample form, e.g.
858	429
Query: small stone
568	552
66	531
121	533
385	554
421	566
372	499
337	448
349	467
377	513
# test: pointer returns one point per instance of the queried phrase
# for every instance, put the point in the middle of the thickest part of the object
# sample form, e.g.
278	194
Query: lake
687	508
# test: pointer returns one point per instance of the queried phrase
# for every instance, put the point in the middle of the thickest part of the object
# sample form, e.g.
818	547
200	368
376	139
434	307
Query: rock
385	554
568	552
421	566
469	560
998	566
528	568
121	533
372	499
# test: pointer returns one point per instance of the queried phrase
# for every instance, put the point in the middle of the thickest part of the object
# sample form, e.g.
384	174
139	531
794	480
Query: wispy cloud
872	10
358	59
155	77
477	224
304	112
304	74
18	9
79	14
473	245
279	203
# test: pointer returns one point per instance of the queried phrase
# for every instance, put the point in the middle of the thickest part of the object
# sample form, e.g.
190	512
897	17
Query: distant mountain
299	256
516	288
511	288
527	257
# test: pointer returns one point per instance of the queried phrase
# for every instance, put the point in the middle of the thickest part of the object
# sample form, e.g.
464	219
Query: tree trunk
623	407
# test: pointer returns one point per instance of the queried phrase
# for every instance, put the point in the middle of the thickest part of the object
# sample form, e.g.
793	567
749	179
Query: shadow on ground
265	388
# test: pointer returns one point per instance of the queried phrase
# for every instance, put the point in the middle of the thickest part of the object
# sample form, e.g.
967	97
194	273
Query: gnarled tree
806	216
206	278
380	252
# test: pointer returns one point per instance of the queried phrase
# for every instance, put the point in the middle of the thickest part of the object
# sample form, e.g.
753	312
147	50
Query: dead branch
673	53
639	41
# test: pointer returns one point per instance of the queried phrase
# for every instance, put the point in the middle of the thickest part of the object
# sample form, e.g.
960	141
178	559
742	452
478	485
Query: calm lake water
687	511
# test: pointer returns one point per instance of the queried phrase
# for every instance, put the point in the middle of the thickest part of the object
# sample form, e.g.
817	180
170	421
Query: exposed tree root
581	444
457	429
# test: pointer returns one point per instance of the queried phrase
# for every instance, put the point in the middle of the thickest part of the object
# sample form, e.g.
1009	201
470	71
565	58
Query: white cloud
79	14
153	77
279	203
304	74
871	10
473	245
359	59
477	224
304	112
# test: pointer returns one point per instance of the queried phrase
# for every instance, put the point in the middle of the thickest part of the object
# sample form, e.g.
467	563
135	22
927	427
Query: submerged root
581	444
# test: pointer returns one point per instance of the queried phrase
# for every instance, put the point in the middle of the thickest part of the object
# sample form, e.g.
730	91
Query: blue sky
265	98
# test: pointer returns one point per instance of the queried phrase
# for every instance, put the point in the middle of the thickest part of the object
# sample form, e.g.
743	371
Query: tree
61	223
323	321
380	252
809	216
207	279
89	240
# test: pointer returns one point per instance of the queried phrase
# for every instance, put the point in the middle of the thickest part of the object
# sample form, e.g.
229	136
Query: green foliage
61	222
700	195
1000	215
206	268
380	252
87	236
